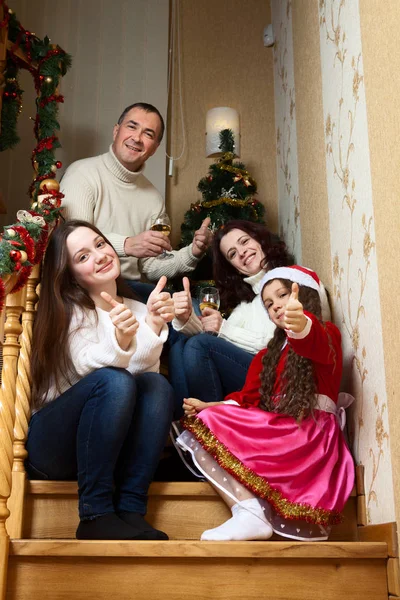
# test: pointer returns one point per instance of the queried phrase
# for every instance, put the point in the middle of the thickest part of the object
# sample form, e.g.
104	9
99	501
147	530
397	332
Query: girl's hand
192	406
123	319
183	302
294	318
160	307
211	320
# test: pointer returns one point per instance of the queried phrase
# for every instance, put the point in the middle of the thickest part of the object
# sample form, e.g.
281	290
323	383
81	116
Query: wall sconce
218	119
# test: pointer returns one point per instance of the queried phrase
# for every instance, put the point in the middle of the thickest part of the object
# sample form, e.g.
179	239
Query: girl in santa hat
275	451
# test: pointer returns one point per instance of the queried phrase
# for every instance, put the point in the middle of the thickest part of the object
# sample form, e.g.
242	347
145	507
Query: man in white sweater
111	192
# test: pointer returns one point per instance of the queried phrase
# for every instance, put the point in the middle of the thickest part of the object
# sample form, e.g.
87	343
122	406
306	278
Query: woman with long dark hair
101	410
211	366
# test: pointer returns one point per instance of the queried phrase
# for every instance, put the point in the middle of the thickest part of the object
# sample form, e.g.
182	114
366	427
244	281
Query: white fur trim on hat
302	276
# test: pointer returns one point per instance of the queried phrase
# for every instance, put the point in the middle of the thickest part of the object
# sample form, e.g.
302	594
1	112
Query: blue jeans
108	430
206	367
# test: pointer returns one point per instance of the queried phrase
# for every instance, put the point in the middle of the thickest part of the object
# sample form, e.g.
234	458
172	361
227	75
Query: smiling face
136	138
242	251
275	296
93	263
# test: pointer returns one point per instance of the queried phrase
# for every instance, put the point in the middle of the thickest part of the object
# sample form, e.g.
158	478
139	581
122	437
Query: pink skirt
304	471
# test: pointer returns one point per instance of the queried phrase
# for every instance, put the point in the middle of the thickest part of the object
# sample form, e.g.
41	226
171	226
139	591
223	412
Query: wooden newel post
12	331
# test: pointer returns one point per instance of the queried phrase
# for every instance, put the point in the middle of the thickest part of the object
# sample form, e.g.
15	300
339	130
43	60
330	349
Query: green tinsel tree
227	193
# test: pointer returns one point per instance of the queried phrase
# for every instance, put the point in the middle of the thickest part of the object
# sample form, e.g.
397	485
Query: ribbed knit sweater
93	345
121	204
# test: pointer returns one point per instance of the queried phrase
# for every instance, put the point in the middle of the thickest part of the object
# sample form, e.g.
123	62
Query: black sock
110	527
137	521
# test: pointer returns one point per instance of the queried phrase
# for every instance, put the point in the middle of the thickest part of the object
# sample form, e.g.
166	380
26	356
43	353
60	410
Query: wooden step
174	570
181	509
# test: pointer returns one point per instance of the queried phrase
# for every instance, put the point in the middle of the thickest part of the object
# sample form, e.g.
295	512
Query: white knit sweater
94	345
121	204
248	325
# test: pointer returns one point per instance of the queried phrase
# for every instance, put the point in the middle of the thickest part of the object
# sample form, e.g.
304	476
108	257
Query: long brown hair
228	280
297	387
60	293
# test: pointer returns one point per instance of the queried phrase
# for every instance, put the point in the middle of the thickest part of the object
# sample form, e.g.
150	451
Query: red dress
304	472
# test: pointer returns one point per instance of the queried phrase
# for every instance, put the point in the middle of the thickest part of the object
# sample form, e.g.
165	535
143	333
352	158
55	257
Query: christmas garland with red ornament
22	244
47	63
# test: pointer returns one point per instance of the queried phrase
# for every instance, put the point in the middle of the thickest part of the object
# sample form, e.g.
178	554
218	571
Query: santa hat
302	276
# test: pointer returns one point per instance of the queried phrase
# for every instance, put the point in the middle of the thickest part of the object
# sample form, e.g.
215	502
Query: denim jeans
108	430
206	367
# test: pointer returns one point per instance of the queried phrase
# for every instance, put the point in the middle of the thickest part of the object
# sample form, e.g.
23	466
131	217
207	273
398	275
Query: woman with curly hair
211	366
275	450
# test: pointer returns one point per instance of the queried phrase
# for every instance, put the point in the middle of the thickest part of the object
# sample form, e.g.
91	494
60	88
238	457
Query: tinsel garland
231	202
47	63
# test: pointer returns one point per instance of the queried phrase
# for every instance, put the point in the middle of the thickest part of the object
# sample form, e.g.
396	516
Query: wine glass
163	224
209	298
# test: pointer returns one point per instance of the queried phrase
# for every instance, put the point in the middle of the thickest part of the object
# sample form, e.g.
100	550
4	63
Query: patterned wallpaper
355	275
286	134
355	293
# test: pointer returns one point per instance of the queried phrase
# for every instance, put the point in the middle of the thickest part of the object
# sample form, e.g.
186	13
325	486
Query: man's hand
202	238
211	320
183	302
123	319
148	243
295	319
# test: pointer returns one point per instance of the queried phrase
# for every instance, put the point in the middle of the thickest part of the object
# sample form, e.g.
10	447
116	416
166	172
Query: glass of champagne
162	224
209	298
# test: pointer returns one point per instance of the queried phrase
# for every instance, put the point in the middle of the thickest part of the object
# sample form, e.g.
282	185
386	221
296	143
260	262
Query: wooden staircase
43	561
48	563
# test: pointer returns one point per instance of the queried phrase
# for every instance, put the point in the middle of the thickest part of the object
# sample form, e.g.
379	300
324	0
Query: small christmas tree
228	193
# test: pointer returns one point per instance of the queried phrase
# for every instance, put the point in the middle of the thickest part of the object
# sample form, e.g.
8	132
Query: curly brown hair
297	393
230	283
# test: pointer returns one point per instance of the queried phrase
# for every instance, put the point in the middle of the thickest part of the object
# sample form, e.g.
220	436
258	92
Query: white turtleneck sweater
248	325
121	204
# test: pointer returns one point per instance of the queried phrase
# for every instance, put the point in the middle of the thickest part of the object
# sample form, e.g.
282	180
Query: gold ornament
51	184
24	256
11	233
48	79
53	168
35	166
34	205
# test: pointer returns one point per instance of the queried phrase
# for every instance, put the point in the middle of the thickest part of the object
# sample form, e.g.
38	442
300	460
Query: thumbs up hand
294	318
160	305
123	319
183	302
202	238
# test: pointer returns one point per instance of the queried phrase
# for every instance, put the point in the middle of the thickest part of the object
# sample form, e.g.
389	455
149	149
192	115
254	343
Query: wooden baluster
22	410
12	331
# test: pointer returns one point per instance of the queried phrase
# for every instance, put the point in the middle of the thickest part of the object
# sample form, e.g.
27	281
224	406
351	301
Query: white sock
247	523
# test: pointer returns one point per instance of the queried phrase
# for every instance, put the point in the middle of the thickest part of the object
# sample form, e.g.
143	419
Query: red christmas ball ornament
59	164
15	255
46	212
17	266
41	77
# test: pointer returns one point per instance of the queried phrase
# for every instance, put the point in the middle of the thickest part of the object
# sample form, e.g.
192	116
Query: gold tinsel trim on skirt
255	483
